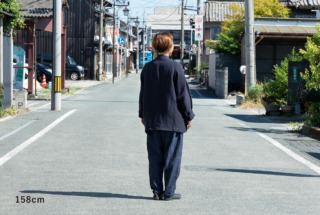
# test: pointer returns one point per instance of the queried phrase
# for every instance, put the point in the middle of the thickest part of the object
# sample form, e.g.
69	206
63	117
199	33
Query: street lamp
126	13
137	25
137	22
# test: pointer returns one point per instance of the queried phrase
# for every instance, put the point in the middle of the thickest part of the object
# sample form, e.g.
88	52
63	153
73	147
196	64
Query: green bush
255	93
13	7
277	88
313	114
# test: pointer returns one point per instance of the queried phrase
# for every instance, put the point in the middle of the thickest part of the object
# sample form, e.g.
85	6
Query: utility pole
117	62
100	41
198	43
250	44
143	40
138	47
1	50
126	52
56	84
182	34
113	41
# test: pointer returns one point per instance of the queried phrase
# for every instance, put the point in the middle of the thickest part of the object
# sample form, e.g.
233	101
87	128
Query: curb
311	132
5	119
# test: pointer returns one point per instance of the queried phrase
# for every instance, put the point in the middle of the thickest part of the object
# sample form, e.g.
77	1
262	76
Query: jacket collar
163	57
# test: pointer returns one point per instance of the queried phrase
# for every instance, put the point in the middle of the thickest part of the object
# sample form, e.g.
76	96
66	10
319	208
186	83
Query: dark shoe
157	196
175	196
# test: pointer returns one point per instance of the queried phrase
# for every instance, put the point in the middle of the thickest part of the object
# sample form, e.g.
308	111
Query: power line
178	7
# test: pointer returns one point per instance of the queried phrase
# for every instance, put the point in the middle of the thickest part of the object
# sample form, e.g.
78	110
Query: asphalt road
91	158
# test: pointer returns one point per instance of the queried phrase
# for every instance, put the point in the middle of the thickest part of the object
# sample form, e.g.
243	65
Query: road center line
17	130
284	149
25	144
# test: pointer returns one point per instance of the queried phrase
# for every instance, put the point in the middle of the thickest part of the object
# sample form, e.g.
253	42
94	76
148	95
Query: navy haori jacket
165	102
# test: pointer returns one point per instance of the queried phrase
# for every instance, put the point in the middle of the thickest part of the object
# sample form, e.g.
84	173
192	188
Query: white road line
285	150
197	92
17	130
24	145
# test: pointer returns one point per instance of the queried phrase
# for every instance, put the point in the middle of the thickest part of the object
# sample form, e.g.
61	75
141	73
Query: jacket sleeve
141	95
183	95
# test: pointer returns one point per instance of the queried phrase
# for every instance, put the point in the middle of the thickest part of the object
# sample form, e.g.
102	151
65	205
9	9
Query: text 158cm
28	199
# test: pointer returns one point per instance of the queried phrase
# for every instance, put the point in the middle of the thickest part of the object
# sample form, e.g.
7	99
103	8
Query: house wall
80	21
7	71
269	54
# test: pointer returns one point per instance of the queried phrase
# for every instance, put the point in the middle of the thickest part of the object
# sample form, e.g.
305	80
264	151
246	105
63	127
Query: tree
312	54
229	40
12	7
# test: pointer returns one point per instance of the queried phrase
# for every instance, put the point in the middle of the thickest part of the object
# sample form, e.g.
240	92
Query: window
214	33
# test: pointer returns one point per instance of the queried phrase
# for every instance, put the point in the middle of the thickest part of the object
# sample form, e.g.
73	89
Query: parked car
43	70
73	70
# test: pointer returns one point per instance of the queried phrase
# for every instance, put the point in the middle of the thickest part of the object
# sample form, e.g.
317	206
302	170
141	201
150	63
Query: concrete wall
222	83
212	71
233	62
7	71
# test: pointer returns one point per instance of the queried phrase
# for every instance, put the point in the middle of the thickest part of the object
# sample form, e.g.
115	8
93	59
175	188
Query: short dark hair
162	41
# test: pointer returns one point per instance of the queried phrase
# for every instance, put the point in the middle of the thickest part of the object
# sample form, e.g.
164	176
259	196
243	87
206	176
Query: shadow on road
267	173
249	171
249	118
87	194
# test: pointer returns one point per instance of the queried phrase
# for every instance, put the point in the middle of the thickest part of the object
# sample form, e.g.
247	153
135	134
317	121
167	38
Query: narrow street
91	158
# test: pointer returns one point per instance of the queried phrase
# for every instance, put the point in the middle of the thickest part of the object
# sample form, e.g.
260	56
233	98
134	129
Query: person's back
162	78
165	109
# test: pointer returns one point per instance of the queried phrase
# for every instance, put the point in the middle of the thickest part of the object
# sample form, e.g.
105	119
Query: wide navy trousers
164	153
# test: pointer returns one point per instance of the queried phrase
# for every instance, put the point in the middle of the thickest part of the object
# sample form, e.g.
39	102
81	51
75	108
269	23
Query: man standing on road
165	109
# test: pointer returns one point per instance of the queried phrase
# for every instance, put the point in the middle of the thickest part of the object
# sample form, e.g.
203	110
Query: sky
141	7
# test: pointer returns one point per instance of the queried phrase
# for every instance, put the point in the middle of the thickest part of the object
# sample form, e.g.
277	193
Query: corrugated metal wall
80	21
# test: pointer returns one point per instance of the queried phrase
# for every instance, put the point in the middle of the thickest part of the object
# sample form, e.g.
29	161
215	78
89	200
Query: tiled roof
38	8
304	3
216	11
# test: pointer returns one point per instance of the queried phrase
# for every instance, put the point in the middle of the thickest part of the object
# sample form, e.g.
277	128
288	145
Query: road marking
196	91
17	130
284	149
24	145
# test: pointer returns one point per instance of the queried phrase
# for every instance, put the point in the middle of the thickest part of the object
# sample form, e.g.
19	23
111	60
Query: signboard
295	74
121	40
135	43
198	28
130	30
116	31
18	76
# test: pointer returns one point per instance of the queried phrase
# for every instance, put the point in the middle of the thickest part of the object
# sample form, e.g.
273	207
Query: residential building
168	19
6	64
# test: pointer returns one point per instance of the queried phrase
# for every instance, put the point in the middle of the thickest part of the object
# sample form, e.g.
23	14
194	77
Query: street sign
135	43
121	40
116	30
198	28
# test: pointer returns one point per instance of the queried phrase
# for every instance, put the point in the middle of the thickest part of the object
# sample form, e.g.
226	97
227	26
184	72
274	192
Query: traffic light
192	23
